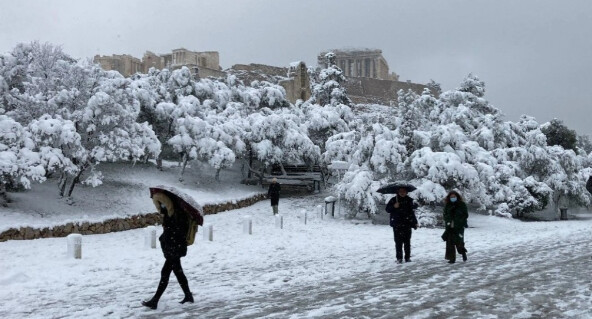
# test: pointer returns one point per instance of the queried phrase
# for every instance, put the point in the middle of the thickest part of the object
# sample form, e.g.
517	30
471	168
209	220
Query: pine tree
559	134
328	88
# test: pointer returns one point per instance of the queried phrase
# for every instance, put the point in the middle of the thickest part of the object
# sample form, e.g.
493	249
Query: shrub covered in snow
458	141
19	163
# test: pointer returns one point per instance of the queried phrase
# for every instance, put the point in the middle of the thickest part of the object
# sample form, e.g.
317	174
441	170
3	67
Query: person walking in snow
402	219
589	184
173	243
455	221
274	194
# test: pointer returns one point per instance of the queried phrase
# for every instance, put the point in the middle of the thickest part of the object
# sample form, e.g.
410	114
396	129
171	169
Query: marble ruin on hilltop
369	79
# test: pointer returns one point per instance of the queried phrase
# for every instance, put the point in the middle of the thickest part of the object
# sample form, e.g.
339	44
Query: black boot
188	298
452	261
464	255
152	304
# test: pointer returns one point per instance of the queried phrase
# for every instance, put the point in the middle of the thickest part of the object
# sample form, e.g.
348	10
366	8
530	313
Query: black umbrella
183	201
394	188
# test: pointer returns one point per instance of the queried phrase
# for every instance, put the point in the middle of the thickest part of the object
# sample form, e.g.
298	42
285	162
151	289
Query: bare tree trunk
257	173
283	169
3	195
218	174
62	184
262	173
243	170
75	181
185	160
324	178
159	162
250	163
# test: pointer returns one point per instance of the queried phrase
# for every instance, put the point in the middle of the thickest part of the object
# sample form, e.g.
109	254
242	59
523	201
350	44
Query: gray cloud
534	55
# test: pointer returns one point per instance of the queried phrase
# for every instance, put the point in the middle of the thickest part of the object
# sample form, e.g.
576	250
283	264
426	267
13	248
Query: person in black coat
402	220
589	184
274	194
455	218
173	243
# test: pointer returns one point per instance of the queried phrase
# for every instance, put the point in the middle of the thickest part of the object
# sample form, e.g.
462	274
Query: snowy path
325	269
519	282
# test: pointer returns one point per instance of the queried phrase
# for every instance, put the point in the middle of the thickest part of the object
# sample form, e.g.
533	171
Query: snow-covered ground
124	192
331	268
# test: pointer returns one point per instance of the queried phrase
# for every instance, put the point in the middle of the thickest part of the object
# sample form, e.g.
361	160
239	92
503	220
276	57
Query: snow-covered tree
458	141
109	131
270	95
322	122
58	144
584	143
327	86
559	134
47	87
196	139
19	163
277	137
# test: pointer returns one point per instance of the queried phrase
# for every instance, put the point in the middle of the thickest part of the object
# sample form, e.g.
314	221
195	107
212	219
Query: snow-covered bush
277	137
19	163
197	139
357	189
459	141
428	216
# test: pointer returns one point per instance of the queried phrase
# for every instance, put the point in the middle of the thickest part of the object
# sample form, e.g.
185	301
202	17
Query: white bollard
247	225
320	211
208	232
75	246
279	221
150	237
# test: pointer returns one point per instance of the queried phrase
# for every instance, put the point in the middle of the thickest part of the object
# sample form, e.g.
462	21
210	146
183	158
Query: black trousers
402	240
171	265
452	247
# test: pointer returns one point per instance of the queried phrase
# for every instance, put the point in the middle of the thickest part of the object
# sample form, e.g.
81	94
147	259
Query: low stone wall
115	224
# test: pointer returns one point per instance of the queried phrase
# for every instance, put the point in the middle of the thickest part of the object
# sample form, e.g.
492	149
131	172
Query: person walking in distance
173	242
402	219
455	220
274	194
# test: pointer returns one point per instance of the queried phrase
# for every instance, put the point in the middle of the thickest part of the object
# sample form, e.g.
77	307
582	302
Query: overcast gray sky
535	56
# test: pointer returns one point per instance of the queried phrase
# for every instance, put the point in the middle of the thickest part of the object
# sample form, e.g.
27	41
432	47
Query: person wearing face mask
455	221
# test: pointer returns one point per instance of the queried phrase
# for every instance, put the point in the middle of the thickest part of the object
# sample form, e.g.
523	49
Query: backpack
191	230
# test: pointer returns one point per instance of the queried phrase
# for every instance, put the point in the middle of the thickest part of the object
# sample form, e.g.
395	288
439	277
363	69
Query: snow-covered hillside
124	193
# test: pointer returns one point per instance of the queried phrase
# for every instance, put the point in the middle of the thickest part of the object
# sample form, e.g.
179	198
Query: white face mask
453	199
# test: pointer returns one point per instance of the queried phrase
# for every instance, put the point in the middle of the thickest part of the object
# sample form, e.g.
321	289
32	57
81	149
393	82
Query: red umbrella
182	200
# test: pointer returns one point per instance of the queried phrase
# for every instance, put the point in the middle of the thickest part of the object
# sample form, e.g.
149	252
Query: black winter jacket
173	240
404	216
274	193
589	184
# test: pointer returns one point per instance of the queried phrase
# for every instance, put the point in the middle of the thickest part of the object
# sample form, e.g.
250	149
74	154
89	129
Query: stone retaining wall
115	224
